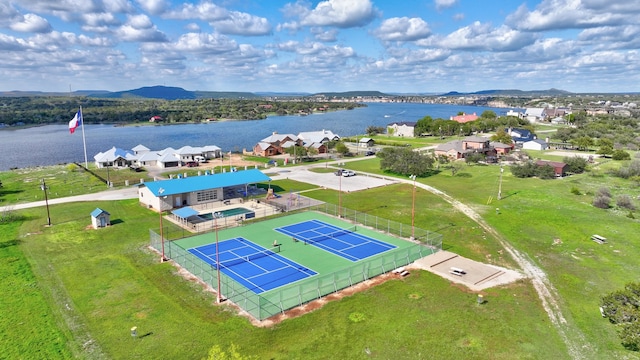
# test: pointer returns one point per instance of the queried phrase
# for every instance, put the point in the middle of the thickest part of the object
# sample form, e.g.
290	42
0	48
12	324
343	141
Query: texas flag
76	121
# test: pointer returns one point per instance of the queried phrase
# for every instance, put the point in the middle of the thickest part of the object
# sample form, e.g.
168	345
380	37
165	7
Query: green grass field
76	292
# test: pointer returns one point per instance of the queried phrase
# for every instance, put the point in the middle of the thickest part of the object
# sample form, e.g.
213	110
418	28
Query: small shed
366	142
100	218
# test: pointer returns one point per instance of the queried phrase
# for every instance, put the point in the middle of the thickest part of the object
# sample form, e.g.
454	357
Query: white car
348	173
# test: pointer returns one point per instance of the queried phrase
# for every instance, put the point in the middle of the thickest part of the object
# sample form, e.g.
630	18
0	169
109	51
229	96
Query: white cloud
206	11
572	14
154	6
204	43
239	23
324	35
340	13
478	36
443	4
31	23
403	29
193	27
139	28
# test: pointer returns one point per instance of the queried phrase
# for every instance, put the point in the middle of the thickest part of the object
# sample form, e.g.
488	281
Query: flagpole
84	141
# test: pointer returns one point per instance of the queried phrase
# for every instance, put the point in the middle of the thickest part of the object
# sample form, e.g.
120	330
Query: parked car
369	153
192	164
348	173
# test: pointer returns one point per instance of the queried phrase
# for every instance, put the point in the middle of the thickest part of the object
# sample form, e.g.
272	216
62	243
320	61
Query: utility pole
500	184
413	207
43	186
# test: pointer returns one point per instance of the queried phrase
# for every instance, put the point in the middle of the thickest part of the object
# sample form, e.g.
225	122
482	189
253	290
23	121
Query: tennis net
332	235
250	257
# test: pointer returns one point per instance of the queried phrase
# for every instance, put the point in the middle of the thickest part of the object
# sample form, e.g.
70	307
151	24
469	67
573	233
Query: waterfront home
464	118
402	129
140	155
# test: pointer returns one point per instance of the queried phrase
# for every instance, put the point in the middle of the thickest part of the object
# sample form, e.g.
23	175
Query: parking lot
331	181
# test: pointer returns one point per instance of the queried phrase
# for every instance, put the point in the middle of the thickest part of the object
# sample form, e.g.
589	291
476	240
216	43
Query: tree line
59	110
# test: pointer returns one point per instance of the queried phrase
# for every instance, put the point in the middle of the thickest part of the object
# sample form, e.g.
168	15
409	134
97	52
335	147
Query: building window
208	195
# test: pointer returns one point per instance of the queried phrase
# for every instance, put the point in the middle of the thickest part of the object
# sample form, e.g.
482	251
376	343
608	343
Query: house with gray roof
402	129
322	136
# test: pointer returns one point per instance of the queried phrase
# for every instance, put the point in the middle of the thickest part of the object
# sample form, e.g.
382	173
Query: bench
457	271
599	239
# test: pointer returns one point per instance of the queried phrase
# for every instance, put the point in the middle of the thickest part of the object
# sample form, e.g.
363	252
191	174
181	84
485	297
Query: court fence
277	301
426	237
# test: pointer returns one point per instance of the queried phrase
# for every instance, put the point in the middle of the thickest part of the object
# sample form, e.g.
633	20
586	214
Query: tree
374	130
620	155
474	158
583	143
342	149
423	126
575	164
405	161
525	170
311	151
233	353
455	167
622	308
606	147
501	136
489	114
297	152
545	172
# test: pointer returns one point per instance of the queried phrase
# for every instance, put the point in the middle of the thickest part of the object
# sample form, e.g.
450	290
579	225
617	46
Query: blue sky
404	46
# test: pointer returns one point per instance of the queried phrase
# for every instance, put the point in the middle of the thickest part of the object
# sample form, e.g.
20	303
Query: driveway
329	180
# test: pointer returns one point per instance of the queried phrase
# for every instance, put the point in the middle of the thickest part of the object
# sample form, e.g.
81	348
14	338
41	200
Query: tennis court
250	264
265	280
336	240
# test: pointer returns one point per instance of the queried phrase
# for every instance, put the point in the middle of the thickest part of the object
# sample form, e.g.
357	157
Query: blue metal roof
205	182
97	212
185	212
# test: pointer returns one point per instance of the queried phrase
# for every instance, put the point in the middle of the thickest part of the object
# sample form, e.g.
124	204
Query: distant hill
172	93
512	92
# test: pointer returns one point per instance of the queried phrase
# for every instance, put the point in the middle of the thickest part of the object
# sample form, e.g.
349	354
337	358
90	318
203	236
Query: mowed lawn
553	226
99	283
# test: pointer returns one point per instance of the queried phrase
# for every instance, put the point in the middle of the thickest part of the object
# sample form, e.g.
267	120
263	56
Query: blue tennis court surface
343	242
250	264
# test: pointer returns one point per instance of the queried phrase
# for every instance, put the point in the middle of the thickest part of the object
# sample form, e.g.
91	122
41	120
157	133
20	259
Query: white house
535	144
323	137
534	114
402	129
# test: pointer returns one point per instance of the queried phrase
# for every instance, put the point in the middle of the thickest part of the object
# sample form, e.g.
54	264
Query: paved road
113	194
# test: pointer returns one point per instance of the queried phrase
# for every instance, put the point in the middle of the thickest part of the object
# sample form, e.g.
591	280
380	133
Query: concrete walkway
107	195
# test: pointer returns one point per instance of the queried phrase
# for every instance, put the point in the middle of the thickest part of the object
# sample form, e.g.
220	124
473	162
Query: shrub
625	202
575	164
620	155
575	191
602	202
604	191
545	172
622	309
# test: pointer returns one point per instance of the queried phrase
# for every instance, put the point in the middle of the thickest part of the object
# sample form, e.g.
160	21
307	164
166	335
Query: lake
52	144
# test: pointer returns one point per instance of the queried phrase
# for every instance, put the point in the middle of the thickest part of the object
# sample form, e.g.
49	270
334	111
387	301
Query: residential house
265	149
115	157
401	129
321	148
464	118
520	136
535	144
514	113
559	168
275	144
501	149
459	149
534	115
322	136
366	142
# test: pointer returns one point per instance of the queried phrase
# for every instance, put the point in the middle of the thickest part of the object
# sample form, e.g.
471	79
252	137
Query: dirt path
577	346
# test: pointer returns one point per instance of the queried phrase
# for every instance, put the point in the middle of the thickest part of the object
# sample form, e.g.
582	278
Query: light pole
340	196
413	207
43	186
500	184
216	215
160	192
